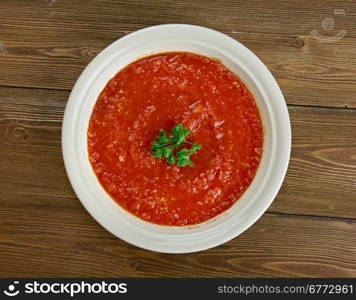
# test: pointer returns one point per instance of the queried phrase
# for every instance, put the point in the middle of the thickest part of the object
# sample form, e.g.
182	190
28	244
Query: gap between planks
306	216
267	212
69	90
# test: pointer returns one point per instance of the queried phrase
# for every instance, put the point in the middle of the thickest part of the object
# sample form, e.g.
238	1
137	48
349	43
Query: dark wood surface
310	229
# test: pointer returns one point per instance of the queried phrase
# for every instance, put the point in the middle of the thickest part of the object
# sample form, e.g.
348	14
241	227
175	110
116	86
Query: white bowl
270	174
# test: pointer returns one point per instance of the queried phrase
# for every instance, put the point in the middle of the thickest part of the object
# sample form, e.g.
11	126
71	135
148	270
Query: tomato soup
155	93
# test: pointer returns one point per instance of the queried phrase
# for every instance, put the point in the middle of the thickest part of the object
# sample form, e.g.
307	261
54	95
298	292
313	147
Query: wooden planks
52	236
47	44
321	179
44	230
310	229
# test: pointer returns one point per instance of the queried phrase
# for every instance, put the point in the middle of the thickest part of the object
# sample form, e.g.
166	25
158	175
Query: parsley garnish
166	146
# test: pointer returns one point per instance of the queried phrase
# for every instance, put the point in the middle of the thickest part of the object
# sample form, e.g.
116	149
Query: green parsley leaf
183	158
166	146
178	135
163	138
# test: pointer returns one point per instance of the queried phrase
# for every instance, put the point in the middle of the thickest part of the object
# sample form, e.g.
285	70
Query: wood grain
54	236
321	179
310	229
47	44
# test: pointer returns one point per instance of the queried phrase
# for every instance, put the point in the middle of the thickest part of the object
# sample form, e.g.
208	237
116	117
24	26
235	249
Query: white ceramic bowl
270	174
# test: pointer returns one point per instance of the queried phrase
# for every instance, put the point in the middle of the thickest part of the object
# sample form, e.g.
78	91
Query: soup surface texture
157	92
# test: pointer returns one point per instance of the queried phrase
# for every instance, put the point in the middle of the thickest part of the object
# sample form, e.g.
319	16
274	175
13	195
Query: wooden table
310	230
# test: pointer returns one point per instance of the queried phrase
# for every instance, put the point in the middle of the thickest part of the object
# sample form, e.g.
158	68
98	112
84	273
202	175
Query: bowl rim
97	210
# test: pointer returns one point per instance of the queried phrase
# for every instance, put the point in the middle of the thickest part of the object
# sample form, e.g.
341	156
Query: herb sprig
169	146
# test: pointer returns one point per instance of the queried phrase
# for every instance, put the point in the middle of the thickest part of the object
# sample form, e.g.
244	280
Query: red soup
157	92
